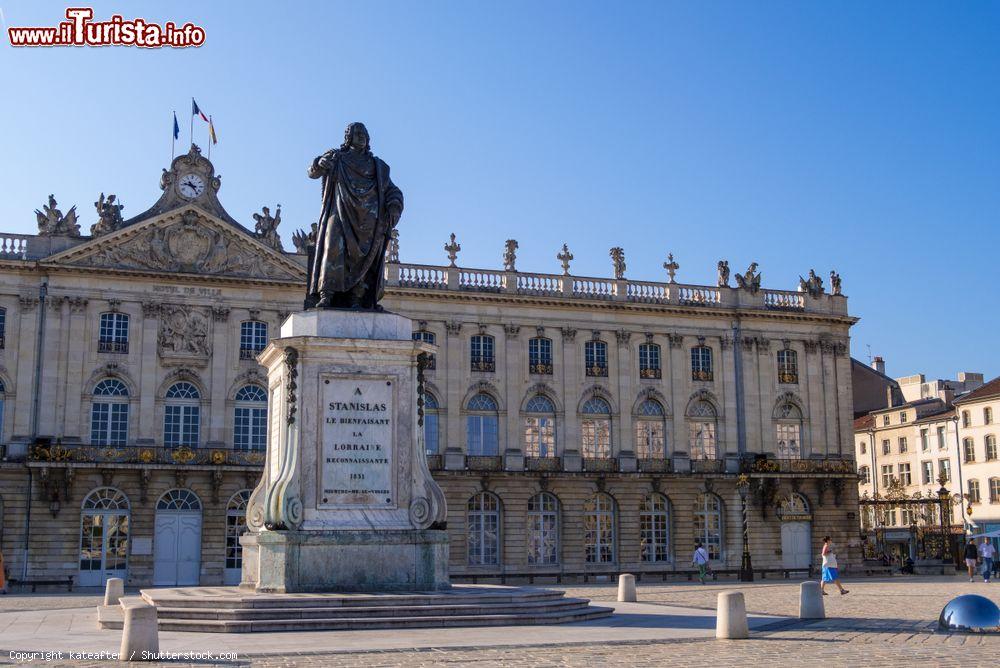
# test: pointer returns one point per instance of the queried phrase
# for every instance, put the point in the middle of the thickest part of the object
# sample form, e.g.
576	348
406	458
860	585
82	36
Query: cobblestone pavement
880	621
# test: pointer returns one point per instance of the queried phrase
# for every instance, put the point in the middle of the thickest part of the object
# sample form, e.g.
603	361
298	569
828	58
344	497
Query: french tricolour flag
195	111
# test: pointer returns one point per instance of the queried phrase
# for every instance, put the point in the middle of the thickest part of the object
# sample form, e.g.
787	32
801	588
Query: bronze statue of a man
361	207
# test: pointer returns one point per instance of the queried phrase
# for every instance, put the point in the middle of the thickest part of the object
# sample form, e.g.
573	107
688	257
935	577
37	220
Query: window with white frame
109	413
181	416
994	490
966	419
236	524
595	428
649	360
902	445
968	450
973	490
701	430
927	472
987	415
427	337
991	447
788	431
701	363
250	419
942	443
708	524
903	418
599	529
483	536
539	427
431	417
654	529
253	338
543	529
113	333
885	420
540	355
886	474
886	446
650	431
904	474
864	474
482	426
788	366
925	445
595	356
481	353
944	469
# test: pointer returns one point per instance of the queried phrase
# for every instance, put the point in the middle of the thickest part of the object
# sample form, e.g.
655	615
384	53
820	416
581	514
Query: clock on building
190	186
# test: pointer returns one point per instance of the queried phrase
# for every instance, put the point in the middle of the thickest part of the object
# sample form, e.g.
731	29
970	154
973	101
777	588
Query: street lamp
746	565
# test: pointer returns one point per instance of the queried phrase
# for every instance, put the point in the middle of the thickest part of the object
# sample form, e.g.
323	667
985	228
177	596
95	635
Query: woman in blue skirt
830	571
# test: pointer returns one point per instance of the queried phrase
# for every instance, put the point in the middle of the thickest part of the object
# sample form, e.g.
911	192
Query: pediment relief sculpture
188	245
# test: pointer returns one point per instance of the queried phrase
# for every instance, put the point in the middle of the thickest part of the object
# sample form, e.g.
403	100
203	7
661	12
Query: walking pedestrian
971	557
700	559
986	553
830	571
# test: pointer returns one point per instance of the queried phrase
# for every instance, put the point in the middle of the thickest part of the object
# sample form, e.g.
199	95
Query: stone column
148	376
513	370
572	375
222	339
626	370
456	368
680	391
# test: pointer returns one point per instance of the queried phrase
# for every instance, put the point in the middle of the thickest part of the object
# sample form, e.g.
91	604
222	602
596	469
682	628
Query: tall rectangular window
966	419
973	490
427	337
904	475
991	447
942	444
886	448
927	472
788	366
864	475
987	415
482	353
113	333
902	445
540	355
994	490
903	418
886	474
701	363
596	358
944	469
969	450
925	445
649	360
253	338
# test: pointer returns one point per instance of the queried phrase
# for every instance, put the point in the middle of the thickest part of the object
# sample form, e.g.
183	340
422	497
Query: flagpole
191	133
209	137
173	138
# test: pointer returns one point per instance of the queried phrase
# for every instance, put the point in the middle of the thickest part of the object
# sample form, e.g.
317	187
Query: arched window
788	366
484	530
427	337
708	524
794	506
113	333
595	355
701	363
431	417
179	499
595	428
250	419
650	431
482	426
991	447
654	527
599	529
540	355
253	338
539	427
649	360
543	529
236	524
109	413
104	532
481	353
701	430
182	416
788	431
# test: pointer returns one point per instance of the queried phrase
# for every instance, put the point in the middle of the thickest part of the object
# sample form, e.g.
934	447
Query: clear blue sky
858	136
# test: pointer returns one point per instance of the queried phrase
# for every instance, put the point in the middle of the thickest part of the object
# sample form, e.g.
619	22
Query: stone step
231	597
295	612
583	613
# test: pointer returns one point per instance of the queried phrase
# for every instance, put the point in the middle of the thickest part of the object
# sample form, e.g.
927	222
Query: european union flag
177	128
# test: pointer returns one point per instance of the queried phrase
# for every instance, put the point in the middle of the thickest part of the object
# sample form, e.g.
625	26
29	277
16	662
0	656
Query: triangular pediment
185	241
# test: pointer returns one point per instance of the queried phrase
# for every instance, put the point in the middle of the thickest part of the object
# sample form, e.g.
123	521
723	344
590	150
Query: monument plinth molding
346	501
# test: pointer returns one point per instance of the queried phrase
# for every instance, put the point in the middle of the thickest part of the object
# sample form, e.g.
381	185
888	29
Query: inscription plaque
357	469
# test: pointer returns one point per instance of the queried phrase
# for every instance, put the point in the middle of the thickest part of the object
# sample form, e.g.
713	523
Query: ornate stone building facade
578	426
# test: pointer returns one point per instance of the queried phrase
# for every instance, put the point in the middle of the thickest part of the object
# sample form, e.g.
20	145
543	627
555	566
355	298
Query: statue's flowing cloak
354	225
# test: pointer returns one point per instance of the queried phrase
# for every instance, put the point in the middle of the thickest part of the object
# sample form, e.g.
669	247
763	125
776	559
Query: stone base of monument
232	610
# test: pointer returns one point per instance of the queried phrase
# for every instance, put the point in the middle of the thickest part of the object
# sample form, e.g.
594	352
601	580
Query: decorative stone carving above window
184	333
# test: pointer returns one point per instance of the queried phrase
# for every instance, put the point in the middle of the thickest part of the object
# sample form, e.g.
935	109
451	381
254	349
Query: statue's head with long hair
356	136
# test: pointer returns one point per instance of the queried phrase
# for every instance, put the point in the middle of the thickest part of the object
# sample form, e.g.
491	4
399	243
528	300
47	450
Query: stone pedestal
346	502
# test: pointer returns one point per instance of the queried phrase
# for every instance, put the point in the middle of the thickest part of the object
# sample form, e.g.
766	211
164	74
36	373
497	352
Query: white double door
796	544
177	548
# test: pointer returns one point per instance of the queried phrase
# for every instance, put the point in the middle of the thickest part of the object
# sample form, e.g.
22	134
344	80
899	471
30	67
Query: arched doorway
177	542
104	528
236	524
796	532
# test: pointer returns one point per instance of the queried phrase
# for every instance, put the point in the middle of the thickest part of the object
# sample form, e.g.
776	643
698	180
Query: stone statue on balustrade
749	280
835	284
510	255
109	216
361	207
813	285
723	281
618	261
52	222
